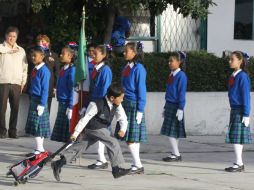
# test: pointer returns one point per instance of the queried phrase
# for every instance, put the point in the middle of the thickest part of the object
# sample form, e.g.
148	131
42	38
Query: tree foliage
63	17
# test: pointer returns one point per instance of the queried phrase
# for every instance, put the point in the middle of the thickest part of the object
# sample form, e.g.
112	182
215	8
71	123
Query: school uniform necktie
170	79
126	71
94	73
93	62
34	72
61	73
231	81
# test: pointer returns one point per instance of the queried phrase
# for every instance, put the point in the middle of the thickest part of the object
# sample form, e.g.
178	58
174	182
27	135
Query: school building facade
229	26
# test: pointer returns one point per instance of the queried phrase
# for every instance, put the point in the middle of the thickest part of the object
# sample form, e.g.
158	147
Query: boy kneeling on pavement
98	117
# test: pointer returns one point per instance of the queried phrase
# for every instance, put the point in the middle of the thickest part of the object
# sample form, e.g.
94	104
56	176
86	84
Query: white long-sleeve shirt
92	110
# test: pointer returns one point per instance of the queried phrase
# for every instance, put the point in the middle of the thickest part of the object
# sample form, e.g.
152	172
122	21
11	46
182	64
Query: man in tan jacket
13	76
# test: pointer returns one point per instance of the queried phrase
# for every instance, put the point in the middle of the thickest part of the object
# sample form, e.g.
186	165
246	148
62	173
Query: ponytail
180	56
107	49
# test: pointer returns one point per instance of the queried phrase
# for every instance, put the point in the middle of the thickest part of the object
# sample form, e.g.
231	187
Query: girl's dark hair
137	47
38	49
71	51
72	47
179	56
106	49
244	57
115	90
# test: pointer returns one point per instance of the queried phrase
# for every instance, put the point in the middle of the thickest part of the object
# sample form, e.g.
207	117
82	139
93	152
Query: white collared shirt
236	72
98	66
66	67
131	64
39	66
175	72
92	111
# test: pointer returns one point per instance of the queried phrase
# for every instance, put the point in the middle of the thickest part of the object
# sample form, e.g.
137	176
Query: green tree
63	17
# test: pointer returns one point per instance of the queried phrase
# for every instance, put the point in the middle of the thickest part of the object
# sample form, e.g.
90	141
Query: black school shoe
119	172
13	136
56	167
102	166
137	170
174	158
3	136
233	169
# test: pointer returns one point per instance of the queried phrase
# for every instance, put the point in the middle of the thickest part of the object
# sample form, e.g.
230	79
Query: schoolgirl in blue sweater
239	98
64	94
38	116
101	79
173	124
134	84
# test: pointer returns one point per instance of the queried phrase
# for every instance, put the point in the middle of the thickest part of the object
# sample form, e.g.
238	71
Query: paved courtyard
204	160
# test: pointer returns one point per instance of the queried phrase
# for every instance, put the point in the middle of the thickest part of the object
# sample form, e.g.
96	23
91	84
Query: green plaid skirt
135	132
237	132
37	126
171	127
61	129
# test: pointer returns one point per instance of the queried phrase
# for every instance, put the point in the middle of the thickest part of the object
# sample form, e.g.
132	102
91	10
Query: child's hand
40	110
179	115
73	138
69	113
121	134
246	121
139	117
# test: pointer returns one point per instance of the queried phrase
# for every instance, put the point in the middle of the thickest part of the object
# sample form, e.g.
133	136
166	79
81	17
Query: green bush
205	71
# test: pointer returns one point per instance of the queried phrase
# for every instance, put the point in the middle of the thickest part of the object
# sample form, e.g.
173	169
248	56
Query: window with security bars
141	24
171	30
178	33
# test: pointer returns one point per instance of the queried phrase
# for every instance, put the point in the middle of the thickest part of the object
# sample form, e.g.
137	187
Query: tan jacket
13	65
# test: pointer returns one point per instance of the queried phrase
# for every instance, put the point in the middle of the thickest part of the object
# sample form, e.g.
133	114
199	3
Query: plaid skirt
61	131
171	127
134	132
37	126
237	132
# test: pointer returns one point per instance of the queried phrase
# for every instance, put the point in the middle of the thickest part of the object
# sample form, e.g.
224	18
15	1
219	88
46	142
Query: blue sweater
176	91
100	84
39	85
239	93
65	83
135	86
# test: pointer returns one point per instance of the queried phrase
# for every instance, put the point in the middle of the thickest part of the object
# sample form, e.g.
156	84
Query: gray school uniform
99	116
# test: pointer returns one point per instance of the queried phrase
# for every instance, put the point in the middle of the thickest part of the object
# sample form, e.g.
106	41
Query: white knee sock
238	153
39	144
134	149
101	155
174	145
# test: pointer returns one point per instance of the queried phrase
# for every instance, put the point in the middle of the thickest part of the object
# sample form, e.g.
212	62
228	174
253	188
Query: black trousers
11	92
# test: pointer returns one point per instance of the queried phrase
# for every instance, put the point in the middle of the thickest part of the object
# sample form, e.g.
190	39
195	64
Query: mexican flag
80	94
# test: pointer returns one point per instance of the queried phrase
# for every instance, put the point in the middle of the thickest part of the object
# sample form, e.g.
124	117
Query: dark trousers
11	92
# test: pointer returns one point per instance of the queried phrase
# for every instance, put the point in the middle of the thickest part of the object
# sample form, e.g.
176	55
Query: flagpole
83	21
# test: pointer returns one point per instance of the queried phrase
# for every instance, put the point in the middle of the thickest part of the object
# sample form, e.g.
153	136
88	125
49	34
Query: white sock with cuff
174	145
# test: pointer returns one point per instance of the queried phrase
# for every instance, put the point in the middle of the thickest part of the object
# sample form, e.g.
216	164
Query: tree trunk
112	12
